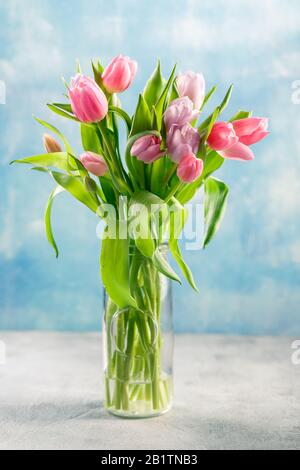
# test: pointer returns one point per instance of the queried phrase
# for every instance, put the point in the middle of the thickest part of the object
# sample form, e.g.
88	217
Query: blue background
249	276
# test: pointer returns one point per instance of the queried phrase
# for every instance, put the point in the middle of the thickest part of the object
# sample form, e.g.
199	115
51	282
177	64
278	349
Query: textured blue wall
249	277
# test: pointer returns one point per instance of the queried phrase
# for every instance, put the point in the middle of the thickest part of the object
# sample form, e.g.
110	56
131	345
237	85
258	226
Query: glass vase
138	345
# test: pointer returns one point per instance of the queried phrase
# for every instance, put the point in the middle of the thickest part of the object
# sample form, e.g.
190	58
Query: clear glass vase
138	345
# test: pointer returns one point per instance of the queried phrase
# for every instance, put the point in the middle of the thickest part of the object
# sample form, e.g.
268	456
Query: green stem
177	187
169	174
121	181
136	364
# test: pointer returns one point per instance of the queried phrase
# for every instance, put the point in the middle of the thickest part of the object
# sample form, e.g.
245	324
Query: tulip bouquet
141	194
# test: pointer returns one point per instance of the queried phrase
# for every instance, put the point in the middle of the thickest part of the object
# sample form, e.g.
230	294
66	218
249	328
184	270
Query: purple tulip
192	85
180	112
147	148
181	139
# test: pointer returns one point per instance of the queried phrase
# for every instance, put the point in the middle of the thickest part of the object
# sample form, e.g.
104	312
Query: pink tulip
180	112
181	140
94	163
88	102
51	145
192	85
119	74
251	130
238	151
233	140
189	168
147	148
222	136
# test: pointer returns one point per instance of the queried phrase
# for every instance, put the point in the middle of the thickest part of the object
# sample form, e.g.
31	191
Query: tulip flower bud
192	85
182	139
222	136
180	112
147	148
119	74
251	130
94	163
51	145
232	140
189	168
88	102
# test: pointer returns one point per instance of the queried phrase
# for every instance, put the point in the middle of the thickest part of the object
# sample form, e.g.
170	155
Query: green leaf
208	96
188	192
123	115
108	189
216	194
47	218
50	160
78	66
214	117
76	166
241	115
57	132
163	266
77	188
144	209
174	92
91	185
114	263
155	122
158	174
213	162
142	118
175	250
226	99
160	104
178	217
98	70
90	140
217	111
154	87
60	112
39	168
146	246
64	107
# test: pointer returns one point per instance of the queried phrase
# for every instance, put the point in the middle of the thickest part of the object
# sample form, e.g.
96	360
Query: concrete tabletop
230	393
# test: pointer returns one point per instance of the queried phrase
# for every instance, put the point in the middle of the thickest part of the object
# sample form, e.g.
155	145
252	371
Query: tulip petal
88	102
189	168
119	74
140	145
180	152
246	126
151	154
253	138
238	151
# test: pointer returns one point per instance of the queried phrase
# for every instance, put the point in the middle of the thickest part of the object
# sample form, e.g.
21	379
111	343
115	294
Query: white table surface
230	393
